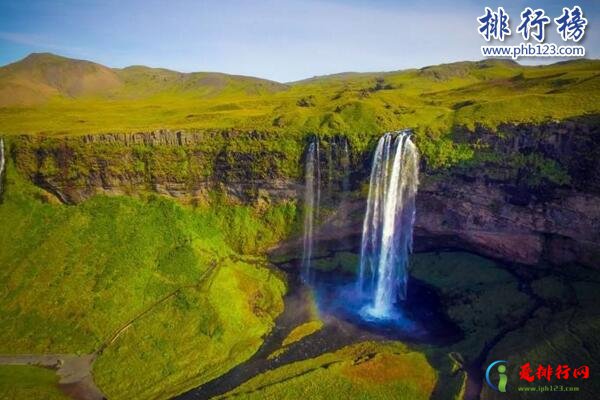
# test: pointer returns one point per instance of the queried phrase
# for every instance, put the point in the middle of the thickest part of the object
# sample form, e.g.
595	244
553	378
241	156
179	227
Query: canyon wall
527	194
183	165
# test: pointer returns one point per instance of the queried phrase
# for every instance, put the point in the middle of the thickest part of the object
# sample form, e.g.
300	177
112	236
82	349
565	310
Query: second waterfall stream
312	199
388	224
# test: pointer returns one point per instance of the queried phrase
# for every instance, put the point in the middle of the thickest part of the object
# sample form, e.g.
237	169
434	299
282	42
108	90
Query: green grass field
26	382
176	295
77	97
196	336
205	296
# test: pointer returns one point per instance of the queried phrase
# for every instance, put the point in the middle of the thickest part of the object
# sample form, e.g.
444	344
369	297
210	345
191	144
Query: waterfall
312	199
388	224
345	164
1	162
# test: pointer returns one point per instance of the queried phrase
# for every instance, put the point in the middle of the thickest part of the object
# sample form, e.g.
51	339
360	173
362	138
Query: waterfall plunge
388	224
312	198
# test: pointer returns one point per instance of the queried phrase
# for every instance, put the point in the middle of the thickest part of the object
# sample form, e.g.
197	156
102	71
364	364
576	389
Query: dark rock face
573	145
517	205
532	196
480	217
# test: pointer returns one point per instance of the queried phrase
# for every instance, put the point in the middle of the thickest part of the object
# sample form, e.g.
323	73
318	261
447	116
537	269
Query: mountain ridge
38	77
49	94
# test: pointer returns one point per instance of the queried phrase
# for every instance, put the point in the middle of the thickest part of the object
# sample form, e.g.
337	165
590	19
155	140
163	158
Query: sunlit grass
75	275
28	382
365	370
433	101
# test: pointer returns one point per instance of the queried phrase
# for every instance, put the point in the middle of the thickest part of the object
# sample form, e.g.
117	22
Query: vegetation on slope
433	101
215	157
41	77
193	337
564	331
365	370
28	382
517	313
84	272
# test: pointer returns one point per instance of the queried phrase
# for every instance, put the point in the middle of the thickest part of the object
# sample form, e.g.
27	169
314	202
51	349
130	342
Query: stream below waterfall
432	322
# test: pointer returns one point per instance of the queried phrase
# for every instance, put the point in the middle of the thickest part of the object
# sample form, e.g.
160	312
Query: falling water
1	162
312	198
345	164
388	224
330	172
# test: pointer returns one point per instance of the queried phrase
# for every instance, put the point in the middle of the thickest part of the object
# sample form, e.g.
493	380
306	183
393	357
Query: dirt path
75	372
151	307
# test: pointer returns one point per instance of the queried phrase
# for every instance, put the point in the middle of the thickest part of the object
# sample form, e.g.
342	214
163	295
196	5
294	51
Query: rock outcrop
530	193
479	217
536	198
184	165
532	196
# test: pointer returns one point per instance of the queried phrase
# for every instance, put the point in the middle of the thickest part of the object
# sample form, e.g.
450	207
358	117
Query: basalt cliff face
183	165
480	217
534	197
529	193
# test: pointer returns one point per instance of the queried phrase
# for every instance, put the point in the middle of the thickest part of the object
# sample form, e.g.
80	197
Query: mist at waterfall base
378	296
420	318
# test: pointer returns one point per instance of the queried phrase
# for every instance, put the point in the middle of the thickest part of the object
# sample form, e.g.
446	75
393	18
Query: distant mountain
49	94
41	76
145	80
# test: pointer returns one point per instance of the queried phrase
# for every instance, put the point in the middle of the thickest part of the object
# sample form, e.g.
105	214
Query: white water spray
312	198
388	224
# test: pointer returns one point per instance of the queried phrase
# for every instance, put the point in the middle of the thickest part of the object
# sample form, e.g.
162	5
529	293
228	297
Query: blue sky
278	39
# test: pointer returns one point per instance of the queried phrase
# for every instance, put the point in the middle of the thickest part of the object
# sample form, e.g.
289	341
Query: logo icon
502	378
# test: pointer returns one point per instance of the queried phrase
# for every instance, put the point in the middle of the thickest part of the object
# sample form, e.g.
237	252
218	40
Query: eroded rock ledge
184	165
529	194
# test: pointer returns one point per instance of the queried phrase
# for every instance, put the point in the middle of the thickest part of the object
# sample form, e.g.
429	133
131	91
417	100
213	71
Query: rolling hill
40	77
160	269
52	95
46	93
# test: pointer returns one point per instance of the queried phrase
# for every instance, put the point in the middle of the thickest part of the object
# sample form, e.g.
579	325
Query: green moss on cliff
177	280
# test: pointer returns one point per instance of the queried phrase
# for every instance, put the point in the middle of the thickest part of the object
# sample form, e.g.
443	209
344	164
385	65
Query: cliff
525	193
185	165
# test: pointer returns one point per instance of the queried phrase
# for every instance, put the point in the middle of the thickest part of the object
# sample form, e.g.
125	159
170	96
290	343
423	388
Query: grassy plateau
52	95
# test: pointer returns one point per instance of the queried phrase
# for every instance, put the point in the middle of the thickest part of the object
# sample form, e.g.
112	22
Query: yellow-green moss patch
365	370
28	382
